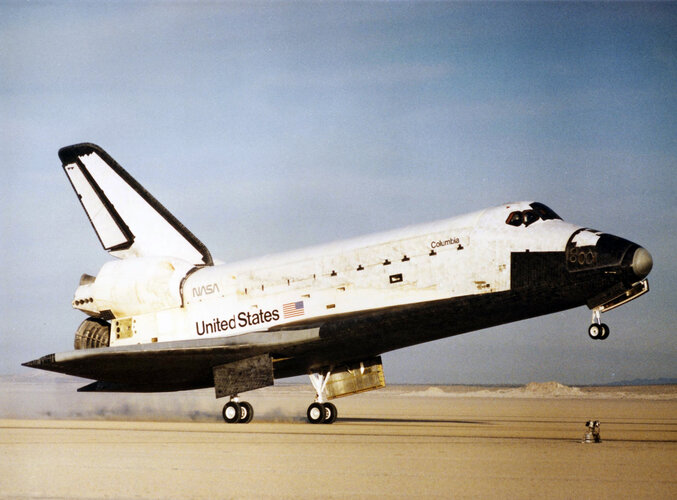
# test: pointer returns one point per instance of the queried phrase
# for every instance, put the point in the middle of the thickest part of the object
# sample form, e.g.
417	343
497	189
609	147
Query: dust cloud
53	396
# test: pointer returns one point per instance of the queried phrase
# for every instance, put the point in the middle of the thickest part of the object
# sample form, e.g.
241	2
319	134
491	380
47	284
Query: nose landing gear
600	331
597	330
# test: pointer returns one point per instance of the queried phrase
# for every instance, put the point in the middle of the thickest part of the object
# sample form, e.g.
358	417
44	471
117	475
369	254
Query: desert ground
399	442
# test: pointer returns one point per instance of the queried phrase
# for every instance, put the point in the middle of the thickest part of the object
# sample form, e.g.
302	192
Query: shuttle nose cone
642	262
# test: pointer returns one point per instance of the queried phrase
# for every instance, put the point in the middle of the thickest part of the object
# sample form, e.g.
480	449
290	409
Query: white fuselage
164	299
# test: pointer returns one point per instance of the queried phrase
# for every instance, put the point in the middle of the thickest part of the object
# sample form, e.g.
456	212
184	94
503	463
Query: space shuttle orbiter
163	317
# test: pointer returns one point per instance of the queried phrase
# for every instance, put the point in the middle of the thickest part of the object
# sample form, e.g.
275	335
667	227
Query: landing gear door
244	375
354	378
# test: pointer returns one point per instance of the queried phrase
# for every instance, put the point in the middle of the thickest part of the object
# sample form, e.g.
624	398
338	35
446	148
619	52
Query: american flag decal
293	309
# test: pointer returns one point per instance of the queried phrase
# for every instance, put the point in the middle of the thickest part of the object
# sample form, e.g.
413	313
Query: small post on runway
592	433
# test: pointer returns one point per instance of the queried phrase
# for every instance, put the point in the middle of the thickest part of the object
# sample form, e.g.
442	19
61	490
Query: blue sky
270	126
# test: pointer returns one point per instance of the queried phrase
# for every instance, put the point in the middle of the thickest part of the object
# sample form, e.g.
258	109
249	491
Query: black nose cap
642	263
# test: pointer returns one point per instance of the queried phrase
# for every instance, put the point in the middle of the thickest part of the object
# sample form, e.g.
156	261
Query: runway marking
418	429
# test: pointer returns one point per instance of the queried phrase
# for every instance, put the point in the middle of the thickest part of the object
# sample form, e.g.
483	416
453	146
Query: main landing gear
237	412
325	413
597	330
321	411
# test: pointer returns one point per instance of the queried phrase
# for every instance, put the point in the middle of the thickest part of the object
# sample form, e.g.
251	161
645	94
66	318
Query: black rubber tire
330	413
605	331
246	412
231	412
315	413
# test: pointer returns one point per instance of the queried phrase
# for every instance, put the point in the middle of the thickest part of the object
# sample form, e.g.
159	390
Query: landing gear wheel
246	412
231	412
595	331
598	331
330	413
316	413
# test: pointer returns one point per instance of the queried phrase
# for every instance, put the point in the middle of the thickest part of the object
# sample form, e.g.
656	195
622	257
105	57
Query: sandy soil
433	442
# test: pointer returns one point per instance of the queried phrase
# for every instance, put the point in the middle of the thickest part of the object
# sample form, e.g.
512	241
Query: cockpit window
528	217
515	219
544	212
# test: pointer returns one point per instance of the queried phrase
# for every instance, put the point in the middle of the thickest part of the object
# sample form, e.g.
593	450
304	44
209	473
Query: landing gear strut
597	330
237	412
321	411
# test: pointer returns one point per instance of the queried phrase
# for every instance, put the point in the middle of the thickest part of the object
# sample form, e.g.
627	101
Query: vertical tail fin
128	220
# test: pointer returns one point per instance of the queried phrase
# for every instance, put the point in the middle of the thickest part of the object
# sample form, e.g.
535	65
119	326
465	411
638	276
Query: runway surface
390	444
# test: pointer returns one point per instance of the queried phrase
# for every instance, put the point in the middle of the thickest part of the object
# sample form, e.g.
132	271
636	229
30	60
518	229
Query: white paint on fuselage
456	257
